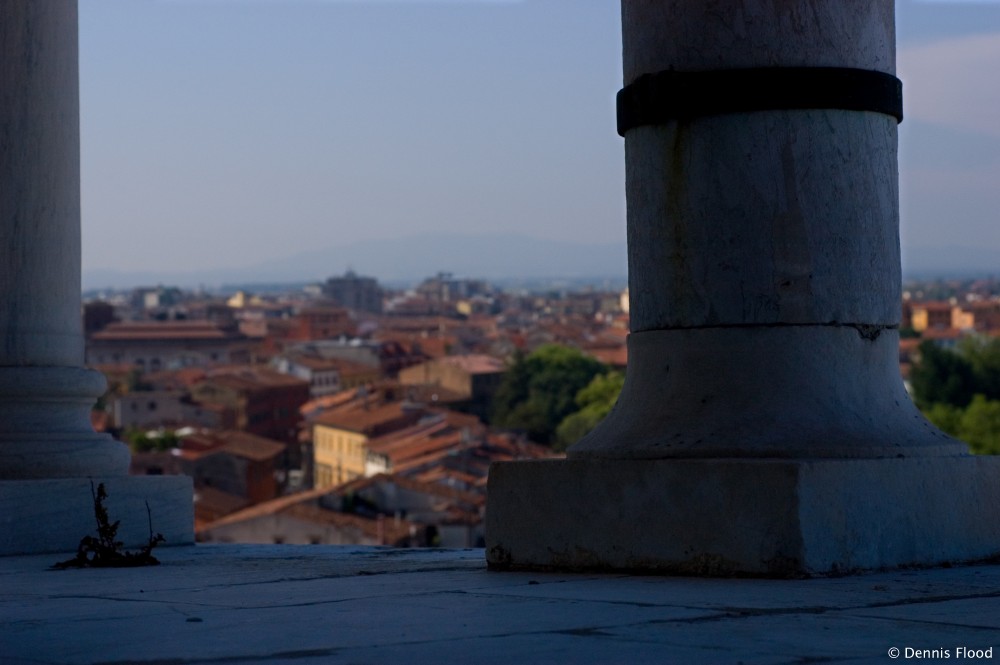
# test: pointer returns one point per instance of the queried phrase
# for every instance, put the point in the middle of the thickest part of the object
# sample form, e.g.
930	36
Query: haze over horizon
226	134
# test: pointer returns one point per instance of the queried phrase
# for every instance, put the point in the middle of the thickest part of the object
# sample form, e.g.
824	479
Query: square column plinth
53	515
760	517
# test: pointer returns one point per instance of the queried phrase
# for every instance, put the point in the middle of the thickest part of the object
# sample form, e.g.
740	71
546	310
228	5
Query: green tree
595	401
539	390
983	355
980	426
942	376
945	417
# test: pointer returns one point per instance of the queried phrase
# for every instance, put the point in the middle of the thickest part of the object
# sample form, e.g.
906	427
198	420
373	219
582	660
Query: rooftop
243	377
242	444
298	605
370	419
163	330
475	363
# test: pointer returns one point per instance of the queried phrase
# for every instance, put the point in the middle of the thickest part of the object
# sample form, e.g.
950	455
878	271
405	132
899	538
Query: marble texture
40	191
45	393
782	392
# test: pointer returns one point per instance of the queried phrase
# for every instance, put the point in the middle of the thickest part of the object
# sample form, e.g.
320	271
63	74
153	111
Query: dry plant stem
105	551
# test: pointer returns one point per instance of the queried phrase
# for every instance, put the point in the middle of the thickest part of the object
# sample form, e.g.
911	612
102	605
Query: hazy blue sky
222	133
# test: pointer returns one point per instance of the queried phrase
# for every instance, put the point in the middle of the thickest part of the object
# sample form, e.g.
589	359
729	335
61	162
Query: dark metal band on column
654	99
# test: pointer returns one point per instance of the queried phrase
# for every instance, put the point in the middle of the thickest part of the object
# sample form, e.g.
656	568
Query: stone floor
302	605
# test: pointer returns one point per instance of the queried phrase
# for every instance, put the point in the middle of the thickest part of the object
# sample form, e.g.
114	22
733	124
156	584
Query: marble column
763	427
764	267
45	392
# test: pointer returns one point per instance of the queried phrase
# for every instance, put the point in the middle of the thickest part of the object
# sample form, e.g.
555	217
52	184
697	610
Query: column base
39	516
45	429
722	517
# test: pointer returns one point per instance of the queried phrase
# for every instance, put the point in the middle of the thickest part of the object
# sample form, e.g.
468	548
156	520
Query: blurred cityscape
348	412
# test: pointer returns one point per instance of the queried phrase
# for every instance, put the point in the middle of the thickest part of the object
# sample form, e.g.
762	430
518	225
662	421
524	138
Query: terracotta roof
215	500
110	369
941	333
320	404
163	330
251	446
301	506
272	507
352	368
441	431
423	446
250	377
241	444
475	363
370	421
177	378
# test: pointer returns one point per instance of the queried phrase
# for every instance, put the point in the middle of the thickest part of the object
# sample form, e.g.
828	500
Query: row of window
337	443
324	475
155	364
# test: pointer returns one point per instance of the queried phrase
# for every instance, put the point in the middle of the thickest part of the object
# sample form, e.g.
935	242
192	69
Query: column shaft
45	394
764	272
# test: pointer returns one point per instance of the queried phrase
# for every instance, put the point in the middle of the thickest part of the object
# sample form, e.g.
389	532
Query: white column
763	428
45	394
49	453
764	271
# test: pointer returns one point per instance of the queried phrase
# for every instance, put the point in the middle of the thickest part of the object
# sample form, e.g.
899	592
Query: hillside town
345	412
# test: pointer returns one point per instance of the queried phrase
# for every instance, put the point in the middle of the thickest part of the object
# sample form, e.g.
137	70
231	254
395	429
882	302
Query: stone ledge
773	518
39	516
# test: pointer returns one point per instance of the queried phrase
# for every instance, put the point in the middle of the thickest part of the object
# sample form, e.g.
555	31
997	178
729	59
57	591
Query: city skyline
220	134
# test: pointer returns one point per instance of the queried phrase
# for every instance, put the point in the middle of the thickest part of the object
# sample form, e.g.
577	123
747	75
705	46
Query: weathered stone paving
300	605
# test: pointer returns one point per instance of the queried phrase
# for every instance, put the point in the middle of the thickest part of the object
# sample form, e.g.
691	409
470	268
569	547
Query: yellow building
931	315
341	436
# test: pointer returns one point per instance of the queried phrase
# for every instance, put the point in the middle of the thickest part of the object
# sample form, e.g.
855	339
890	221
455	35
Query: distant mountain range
404	260
501	258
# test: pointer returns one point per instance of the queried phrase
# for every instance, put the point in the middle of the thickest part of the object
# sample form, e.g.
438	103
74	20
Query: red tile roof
303	506
370	419
162	330
251	377
241	444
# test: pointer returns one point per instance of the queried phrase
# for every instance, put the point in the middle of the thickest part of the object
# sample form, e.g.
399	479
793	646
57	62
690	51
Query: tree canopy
539	390
959	391
941	377
595	402
978	424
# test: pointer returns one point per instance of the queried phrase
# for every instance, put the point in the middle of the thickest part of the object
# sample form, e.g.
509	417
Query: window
323	475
